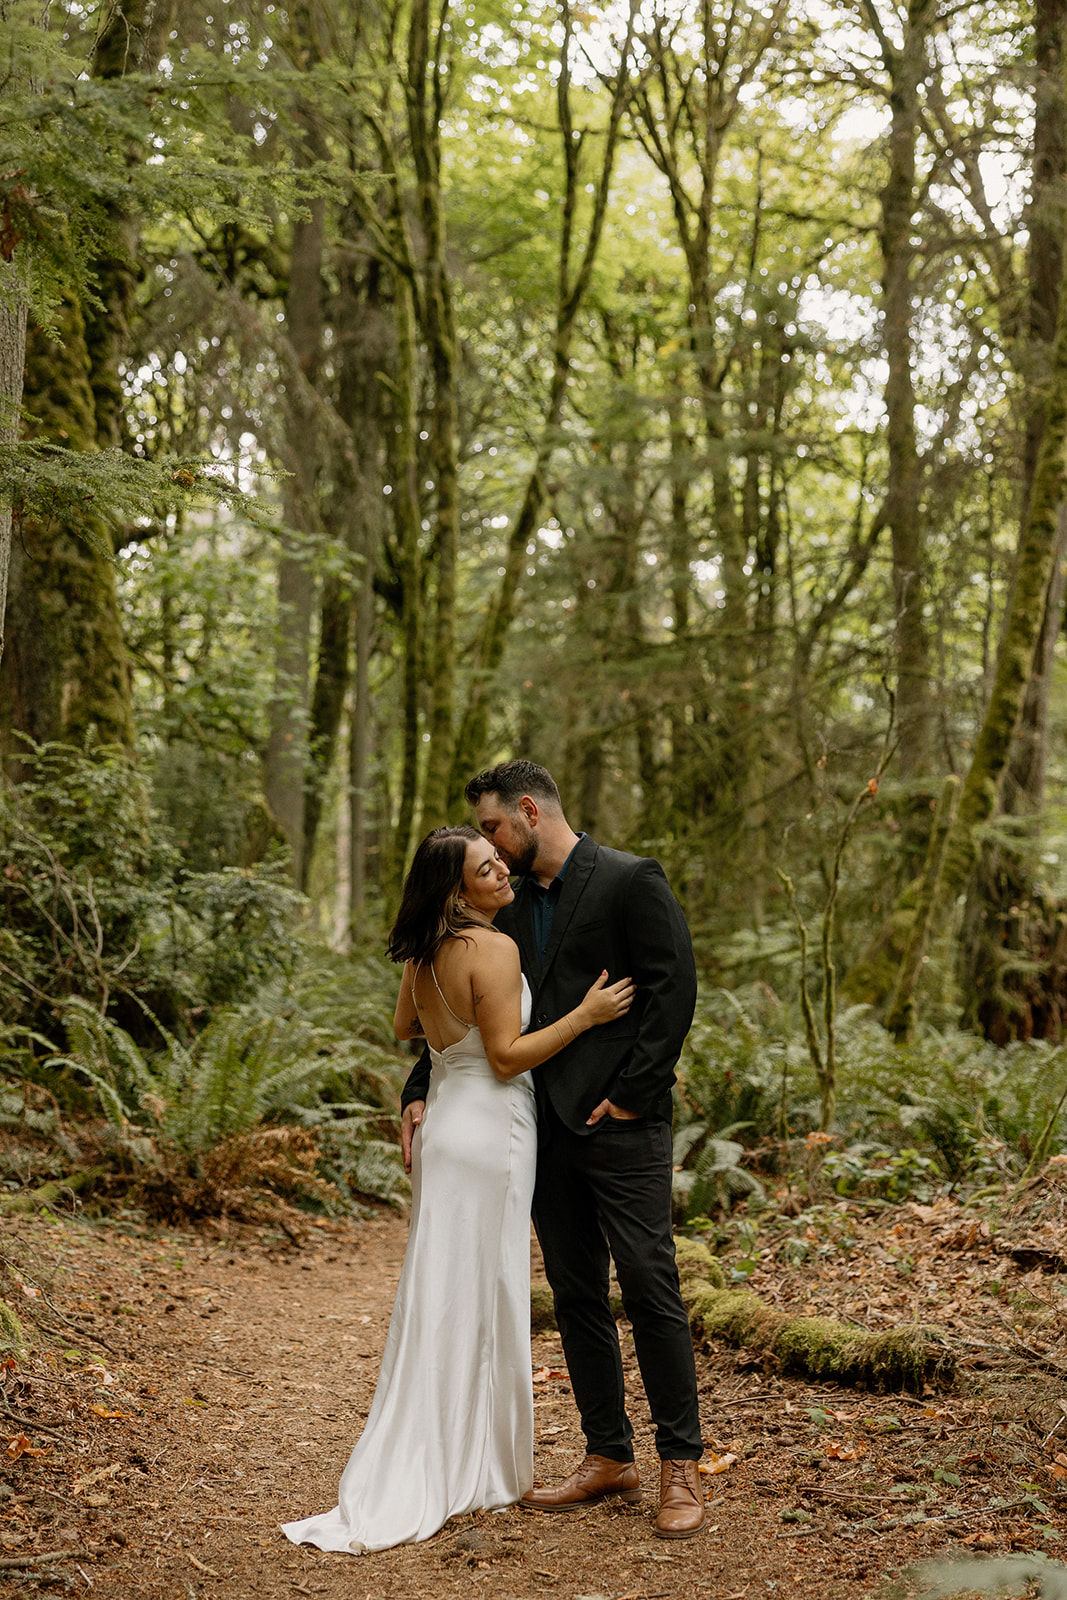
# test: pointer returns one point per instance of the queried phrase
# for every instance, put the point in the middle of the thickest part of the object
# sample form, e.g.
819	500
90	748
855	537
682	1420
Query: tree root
912	1356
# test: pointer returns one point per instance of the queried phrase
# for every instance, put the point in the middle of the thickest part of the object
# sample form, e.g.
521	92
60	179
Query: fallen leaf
984	1539
21	1446
550	1374
839	1451
717	1464
102	1411
96	1476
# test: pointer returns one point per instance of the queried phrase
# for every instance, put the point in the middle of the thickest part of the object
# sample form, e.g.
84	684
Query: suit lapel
578	874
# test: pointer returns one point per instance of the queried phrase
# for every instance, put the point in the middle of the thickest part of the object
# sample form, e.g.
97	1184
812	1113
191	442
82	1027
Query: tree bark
1036	555
406	511
68	677
426	104
64	674
906	68
1008	929
13	318
285	765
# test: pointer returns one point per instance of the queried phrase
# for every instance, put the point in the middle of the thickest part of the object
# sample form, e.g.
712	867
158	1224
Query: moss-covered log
909	1357
12	1339
49	1194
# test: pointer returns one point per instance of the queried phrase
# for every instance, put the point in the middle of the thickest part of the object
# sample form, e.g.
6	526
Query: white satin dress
451	1426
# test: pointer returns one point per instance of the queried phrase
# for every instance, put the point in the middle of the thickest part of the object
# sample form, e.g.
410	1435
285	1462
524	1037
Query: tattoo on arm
478	998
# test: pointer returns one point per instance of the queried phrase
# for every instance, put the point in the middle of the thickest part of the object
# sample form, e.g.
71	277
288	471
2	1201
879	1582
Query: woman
451	1426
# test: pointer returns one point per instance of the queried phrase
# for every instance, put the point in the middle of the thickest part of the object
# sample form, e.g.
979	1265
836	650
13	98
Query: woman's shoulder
477	942
490	945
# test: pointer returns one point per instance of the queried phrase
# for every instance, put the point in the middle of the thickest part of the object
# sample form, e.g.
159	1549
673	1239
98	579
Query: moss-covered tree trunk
14	311
427	84
1009	928
406	512
906	67
1036	554
64	674
13	316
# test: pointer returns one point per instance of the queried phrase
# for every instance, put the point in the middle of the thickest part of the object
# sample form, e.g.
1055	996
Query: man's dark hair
511	780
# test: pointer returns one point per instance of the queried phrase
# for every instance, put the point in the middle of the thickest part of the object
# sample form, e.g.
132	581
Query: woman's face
485	879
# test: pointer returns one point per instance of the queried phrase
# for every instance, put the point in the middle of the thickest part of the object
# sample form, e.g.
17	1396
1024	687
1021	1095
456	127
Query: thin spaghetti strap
462	1020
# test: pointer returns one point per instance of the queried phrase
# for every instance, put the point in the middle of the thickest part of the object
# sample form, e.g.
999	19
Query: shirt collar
560	875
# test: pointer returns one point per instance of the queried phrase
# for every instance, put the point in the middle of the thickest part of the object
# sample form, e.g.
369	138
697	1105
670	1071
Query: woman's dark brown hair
431	908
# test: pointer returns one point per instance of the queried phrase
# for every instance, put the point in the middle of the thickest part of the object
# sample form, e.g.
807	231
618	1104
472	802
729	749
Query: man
604	1153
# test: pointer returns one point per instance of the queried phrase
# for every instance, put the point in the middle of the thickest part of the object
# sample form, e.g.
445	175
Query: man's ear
529	808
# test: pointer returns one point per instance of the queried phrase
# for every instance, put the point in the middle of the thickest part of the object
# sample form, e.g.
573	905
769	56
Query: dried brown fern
253	1176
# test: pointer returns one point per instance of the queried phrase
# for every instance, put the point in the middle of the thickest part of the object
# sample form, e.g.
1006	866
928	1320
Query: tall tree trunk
1036	554
13	316
426	89
1006	917
327	706
285	765
14	313
906	68
406	511
684	107
67	677
64	674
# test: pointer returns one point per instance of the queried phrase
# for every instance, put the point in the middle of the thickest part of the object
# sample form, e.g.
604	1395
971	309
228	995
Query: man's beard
521	861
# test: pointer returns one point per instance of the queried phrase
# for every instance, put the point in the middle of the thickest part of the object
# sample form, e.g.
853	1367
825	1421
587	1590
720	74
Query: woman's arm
496	993
406	1024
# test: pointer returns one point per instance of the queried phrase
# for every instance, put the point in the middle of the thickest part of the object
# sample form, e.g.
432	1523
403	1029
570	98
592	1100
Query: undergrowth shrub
180	1026
947	1109
95	902
188	1120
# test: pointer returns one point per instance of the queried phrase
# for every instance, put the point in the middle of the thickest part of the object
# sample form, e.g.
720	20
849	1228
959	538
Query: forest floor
195	1392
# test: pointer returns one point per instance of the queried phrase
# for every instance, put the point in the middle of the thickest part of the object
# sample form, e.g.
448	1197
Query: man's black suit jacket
615	911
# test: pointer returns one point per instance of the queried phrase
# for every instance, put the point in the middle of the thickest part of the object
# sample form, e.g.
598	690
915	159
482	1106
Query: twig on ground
44	1555
35	1427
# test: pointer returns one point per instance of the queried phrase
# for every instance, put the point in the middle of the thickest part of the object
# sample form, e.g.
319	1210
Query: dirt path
235	1380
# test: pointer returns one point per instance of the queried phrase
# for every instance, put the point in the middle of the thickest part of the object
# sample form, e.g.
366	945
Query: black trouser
612	1191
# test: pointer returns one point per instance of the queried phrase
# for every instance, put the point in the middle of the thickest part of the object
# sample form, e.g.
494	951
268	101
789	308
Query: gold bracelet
559	1032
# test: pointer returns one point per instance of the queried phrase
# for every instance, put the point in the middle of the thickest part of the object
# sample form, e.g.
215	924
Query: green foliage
265	1064
715	1176
872	1170
45	480
948	1107
95	903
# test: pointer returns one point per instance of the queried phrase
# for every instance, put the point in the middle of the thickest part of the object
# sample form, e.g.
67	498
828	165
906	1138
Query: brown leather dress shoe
596	1479
681	1501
